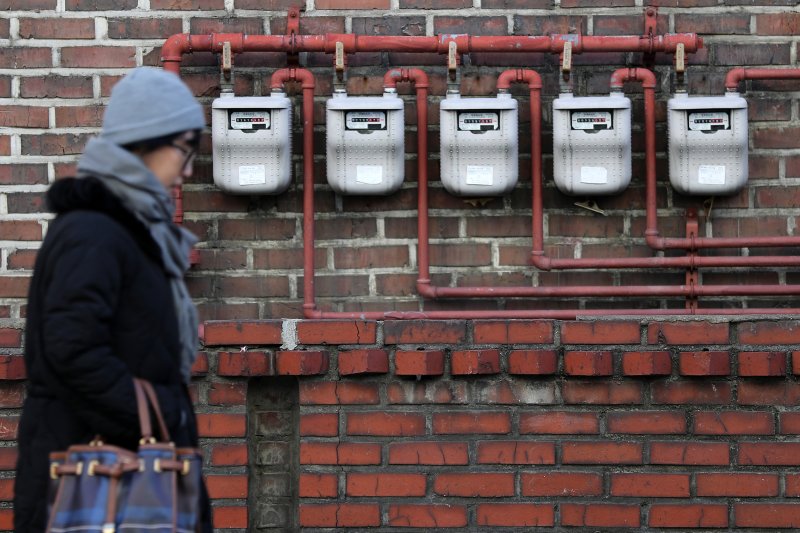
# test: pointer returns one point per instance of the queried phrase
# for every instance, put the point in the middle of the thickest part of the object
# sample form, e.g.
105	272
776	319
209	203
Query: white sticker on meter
711	174
478	121
480	175
369	174
250	120
709	121
252	174
591	120
595	175
365	120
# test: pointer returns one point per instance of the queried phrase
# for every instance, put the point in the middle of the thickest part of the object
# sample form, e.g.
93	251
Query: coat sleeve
83	291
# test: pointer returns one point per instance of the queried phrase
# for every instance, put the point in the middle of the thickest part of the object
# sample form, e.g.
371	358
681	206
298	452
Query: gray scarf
127	177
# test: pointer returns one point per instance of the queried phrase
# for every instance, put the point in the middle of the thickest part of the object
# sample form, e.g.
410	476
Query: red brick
229	516
456	423
299	363
363	362
226	486
419	363
318	486
768	393
143	28
56	28
18	116
646	364
769	332
14	286
688	515
78	116
516	453
601	393
688	392
420	393
319	425
227	393
376	485
796	363
724	24
340	515
751	54
650	485
221	333
599	515
603	452
693	332
734	423
513	332
515	515
559	423
338	393
229	455
737	485
430	516
486	485
336	332
386	424
470	362
339	453
599	363
792	482
10	338
689	453
428	453
762	363
600	332
424	331
789	423
763	515
26	57
221	425
769	453
99	5
98	56
704	363
778	24
245	364
561	484
532	362
647	422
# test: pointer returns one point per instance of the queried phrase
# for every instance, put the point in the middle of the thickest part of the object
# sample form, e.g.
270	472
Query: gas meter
479	145
707	143
592	144
251	142
365	143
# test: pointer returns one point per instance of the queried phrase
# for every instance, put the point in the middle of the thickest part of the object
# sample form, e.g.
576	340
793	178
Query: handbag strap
150	393
144	412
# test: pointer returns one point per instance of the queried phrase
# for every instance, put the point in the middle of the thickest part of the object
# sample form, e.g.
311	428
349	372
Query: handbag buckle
147	440
186	467
109	528
53	473
92	464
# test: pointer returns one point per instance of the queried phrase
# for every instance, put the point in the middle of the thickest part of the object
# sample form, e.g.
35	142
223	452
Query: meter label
709	121
591	120
478	121
711	174
594	175
252	174
369	174
250	120
365	120
480	175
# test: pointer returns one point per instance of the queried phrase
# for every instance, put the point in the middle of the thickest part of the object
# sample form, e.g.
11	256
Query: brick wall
597	424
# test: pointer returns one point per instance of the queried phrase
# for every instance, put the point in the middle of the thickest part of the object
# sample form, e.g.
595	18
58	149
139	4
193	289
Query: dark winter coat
100	312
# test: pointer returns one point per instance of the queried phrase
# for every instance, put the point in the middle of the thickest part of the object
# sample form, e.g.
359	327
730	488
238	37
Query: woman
107	301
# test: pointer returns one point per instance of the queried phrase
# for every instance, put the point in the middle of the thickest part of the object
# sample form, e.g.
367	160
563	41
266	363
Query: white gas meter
479	145
365	143
252	143
592	144
707	143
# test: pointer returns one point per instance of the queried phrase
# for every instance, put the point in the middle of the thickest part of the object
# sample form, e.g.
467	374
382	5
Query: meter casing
591	144
252	144
479	145
707	143
365	144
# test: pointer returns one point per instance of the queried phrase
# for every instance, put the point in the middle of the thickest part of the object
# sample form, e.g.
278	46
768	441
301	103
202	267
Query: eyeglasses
188	151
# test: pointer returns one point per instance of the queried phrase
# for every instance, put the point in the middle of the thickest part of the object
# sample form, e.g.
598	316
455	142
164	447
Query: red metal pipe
737	75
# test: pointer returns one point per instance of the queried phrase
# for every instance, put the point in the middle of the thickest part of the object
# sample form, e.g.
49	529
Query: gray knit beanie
149	103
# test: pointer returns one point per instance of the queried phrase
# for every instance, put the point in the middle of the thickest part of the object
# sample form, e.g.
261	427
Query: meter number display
365	120
250	120
708	121
478	121
591	120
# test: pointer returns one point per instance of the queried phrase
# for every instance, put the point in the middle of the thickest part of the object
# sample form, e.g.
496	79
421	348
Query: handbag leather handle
146	399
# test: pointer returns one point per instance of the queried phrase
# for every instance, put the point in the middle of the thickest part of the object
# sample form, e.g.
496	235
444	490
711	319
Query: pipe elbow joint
425	289
653	240
734	77
541	261
175	46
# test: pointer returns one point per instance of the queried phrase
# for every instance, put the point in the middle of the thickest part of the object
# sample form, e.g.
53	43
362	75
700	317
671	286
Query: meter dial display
250	120
365	120
478	121
709	121
591	120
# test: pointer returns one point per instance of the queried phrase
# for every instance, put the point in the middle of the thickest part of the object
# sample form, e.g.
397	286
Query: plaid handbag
101	488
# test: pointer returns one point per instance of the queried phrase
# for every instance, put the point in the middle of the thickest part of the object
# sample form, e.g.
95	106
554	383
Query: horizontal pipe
737	75
672	262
